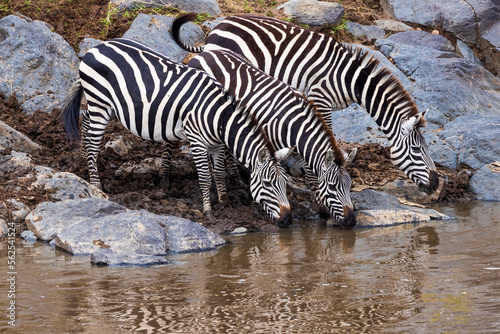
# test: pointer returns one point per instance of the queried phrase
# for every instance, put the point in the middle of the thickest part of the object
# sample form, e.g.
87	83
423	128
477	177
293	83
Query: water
429	278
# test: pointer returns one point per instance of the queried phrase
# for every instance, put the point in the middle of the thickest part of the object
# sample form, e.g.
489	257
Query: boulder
15	162
120	145
313	12
86	45
210	7
107	257
9	137
446	84
214	23
29	236
368	32
471	140
19	210
38	70
465	51
486	182
64	185
89	226
153	30
375	209
390	25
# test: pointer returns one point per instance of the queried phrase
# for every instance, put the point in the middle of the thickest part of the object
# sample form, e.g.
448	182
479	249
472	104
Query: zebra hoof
223	199
210	217
164	183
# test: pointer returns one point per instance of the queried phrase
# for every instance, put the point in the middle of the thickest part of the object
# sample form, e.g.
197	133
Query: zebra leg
98	119
166	164
84	128
200	156
217	157
232	168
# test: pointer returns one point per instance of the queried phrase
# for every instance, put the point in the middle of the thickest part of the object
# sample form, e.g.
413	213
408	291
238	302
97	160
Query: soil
69	18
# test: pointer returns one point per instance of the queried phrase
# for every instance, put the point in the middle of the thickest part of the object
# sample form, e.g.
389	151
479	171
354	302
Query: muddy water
428	278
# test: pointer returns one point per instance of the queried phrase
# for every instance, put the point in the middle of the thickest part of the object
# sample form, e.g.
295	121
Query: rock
130	232
408	190
16	140
120	145
38	70
4	229
150	167
48	218
313	12
469	145
109	258
63	185
153	31
305	210
239	230
445	83
15	162
19	210
390	25
486	182
29	236
355	125
84	226
87	44
455	16
369	32
214	23
465	51
210	7
186	236
377	218
377	208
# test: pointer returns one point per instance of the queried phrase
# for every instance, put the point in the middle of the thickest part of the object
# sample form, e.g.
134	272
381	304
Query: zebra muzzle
348	220
285	219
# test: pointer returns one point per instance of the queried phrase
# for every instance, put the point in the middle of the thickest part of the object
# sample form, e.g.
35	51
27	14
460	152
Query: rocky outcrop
365	31
16	140
486	182
153	30
89	226
313	12
38	70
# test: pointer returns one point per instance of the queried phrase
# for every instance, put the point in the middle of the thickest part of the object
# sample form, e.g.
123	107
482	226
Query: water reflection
433	277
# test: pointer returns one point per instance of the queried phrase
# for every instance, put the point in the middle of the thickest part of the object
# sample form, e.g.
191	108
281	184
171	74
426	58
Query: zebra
159	99
289	120
334	76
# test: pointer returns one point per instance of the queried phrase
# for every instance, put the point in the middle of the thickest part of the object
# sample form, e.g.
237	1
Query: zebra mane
337	152
371	66
254	123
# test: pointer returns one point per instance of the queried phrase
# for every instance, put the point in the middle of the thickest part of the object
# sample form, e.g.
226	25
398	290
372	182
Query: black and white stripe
161	100
333	76
289	120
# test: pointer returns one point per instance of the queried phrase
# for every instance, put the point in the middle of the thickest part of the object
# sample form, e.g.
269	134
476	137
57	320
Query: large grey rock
9	137
455	16
86	44
64	185
466	52
313	12
445	83
210	7
379	218
368	32
107	257
152	30
474	141
486	182
85	226
36	64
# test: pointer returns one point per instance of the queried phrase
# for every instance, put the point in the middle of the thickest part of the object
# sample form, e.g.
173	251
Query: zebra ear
263	154
349	158
284	153
329	159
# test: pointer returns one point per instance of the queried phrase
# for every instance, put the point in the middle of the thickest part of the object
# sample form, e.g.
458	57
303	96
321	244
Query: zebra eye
416	149
332	187
267	184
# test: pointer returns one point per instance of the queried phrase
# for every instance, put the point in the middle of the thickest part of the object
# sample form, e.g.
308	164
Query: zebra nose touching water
334	76
161	100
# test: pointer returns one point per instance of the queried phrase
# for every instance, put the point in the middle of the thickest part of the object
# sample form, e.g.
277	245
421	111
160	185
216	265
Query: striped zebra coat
161	100
333	76
289	120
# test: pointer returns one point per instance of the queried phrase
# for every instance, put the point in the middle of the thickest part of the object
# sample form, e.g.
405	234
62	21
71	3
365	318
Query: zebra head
268	188
410	154
334	191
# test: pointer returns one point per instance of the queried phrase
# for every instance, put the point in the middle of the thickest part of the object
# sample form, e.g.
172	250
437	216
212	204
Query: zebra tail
176	30
70	112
